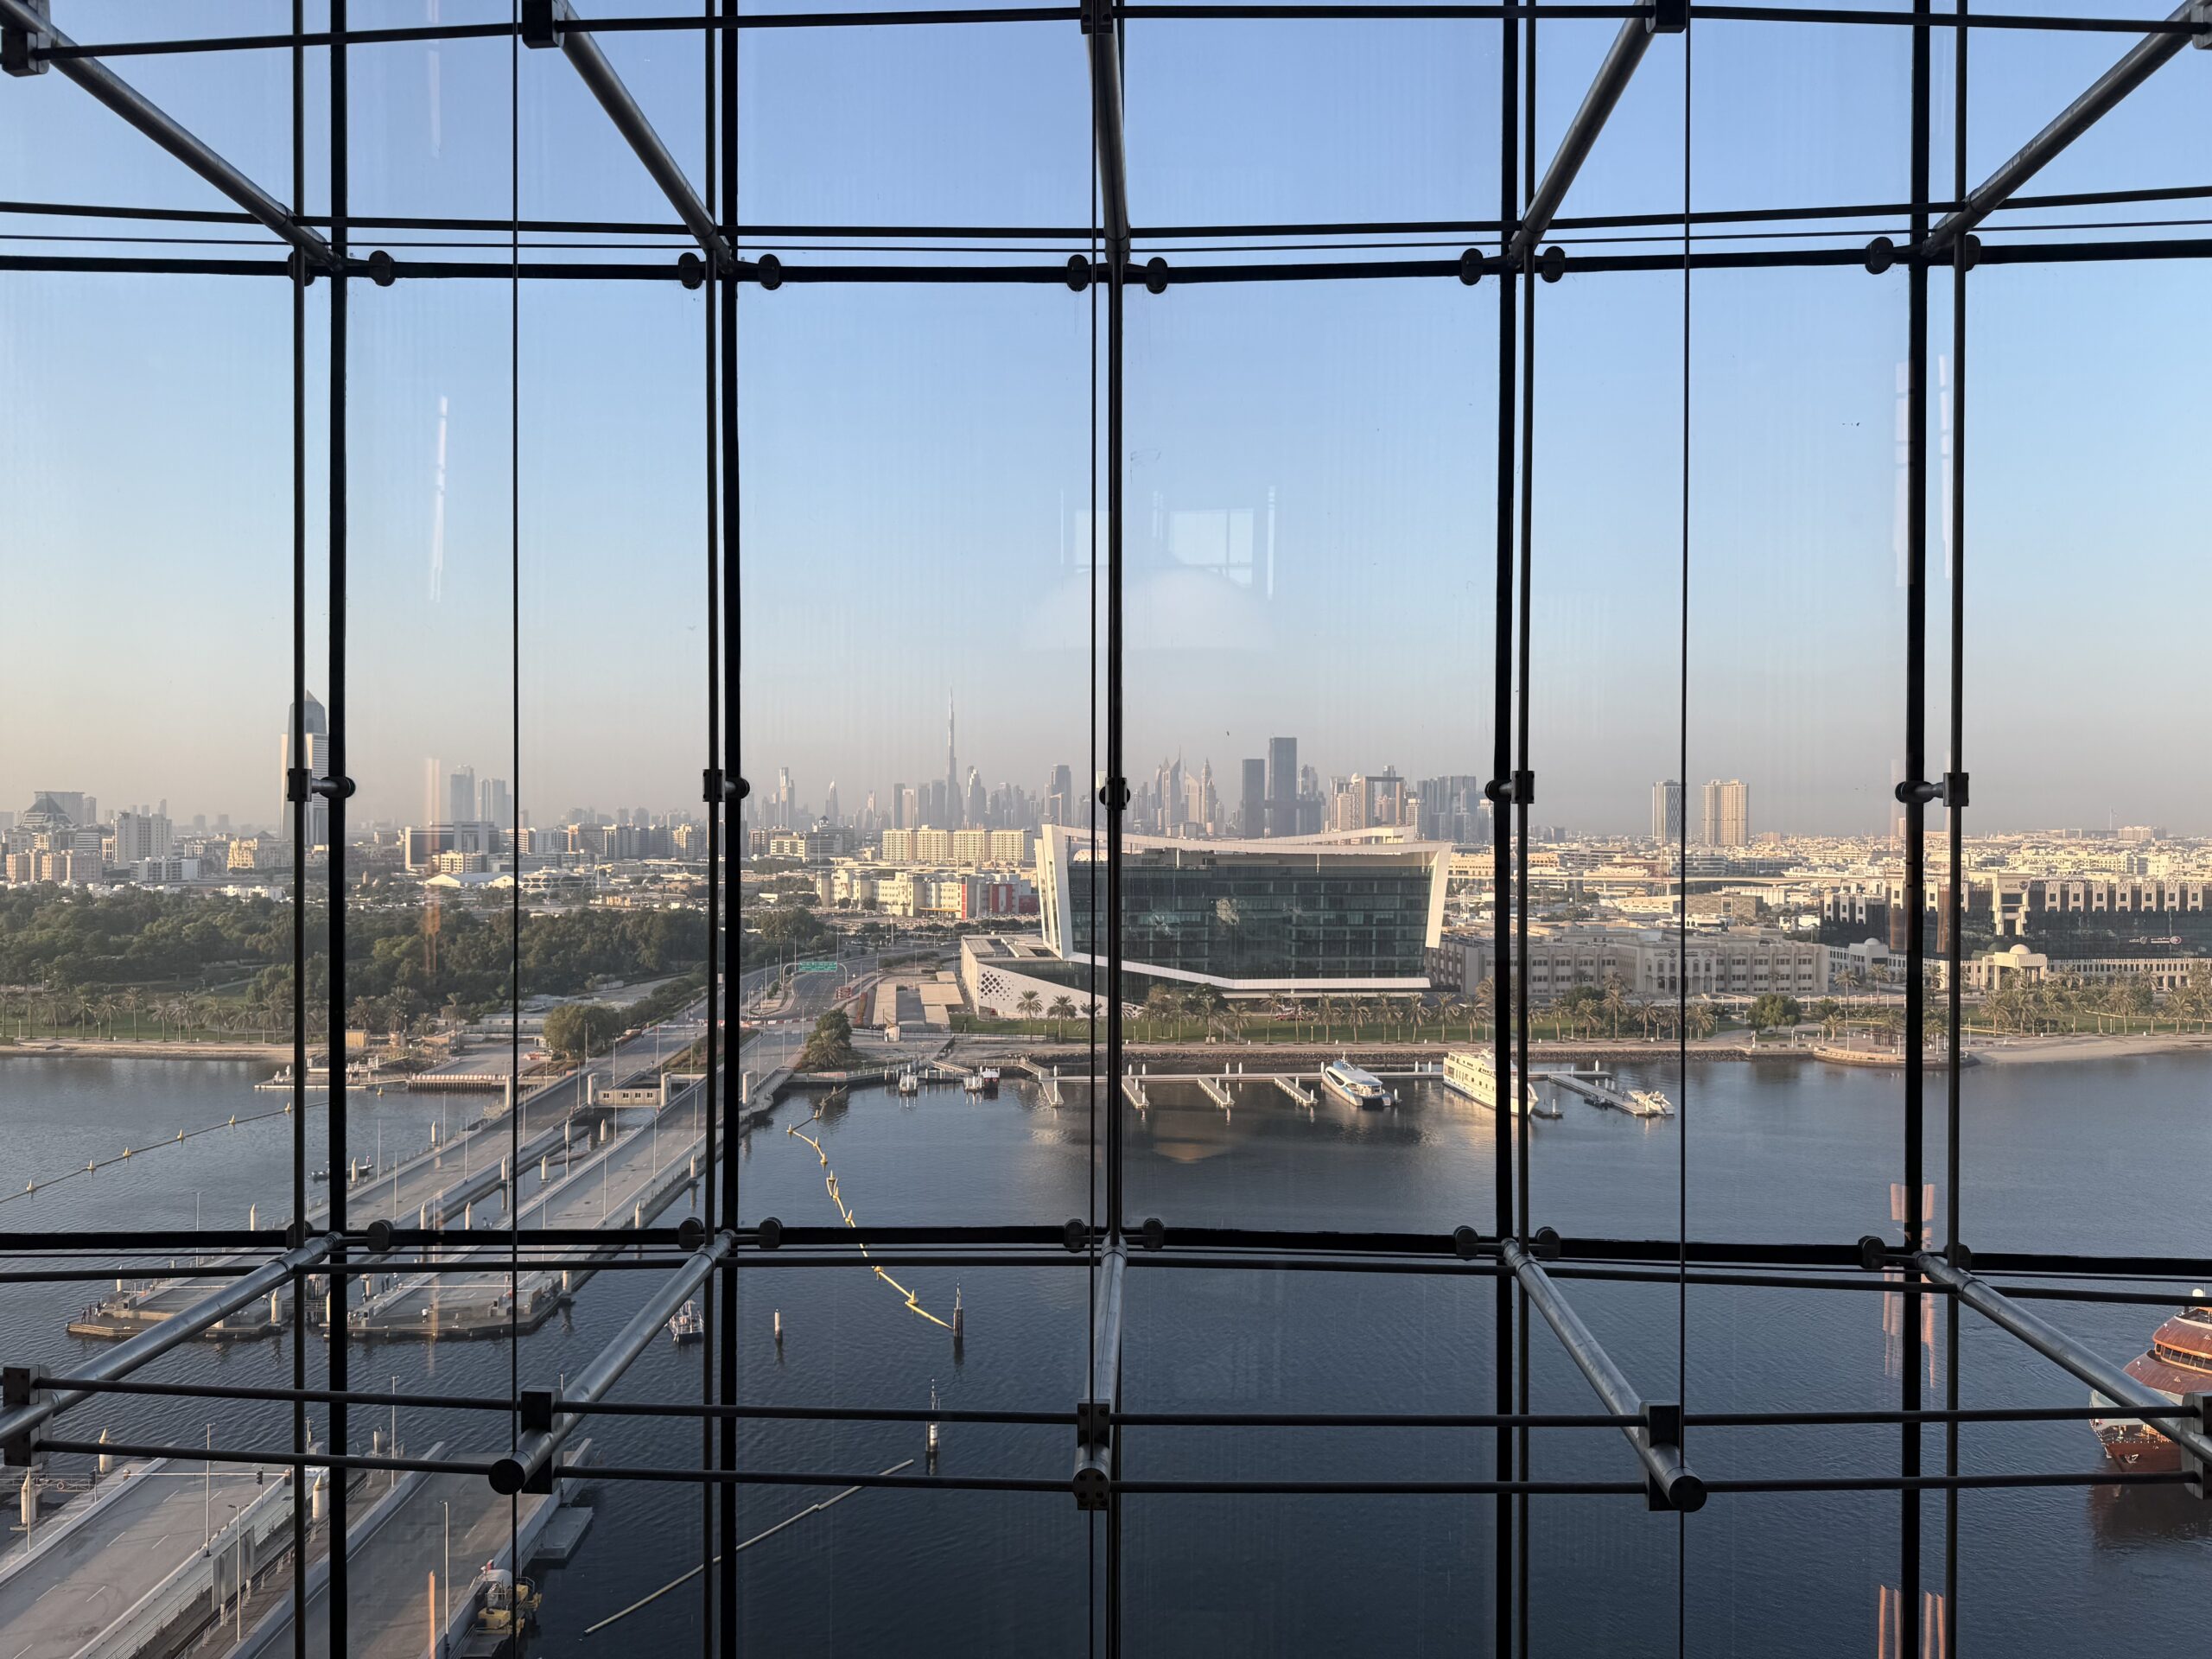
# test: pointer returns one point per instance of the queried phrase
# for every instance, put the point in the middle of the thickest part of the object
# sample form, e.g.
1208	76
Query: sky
1308	466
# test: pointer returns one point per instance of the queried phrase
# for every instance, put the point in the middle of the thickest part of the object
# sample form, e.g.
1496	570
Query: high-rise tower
953	793
314	731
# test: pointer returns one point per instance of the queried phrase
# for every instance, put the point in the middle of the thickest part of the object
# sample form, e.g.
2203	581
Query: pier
1599	1088
1133	1088
1217	1091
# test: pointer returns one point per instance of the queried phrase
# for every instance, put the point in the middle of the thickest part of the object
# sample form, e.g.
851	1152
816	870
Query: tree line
197	962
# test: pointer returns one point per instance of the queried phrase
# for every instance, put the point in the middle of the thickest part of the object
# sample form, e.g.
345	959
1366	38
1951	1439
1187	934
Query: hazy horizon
1308	466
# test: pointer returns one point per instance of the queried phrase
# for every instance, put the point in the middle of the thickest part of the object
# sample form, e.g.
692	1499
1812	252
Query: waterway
2106	1155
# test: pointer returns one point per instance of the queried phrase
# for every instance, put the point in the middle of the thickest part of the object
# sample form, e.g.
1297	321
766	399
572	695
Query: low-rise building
1649	962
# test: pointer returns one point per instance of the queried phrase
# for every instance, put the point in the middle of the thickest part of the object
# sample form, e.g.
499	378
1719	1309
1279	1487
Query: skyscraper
460	797
952	791
1667	811
494	805
1282	785
1252	810
1727	814
315	729
1060	799
829	805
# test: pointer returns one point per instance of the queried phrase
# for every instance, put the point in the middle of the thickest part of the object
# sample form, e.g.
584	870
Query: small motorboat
686	1324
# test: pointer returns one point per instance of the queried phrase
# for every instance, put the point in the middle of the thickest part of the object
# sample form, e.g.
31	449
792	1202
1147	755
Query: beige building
1651	964
1993	968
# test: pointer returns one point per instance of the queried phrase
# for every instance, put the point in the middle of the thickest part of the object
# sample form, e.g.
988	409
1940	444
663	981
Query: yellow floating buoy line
830	1179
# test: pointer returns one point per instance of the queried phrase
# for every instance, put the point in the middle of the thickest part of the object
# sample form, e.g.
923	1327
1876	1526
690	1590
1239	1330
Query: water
2093	1155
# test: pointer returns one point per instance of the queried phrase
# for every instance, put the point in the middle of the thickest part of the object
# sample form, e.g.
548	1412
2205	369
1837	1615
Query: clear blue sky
1309	467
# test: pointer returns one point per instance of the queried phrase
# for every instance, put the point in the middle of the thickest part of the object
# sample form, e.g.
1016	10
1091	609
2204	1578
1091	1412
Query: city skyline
1297	471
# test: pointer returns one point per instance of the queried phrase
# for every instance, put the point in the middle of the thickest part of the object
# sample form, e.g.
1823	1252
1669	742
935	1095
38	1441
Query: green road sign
814	968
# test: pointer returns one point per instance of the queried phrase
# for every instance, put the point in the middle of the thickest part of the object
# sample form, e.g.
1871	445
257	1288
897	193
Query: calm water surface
2107	1154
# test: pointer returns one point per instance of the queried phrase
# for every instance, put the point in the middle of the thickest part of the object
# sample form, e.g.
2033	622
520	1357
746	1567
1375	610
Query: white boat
1650	1102
1473	1072
686	1324
984	1081
909	1084
1355	1087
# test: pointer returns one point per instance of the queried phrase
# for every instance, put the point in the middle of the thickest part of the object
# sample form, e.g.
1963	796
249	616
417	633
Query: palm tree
1028	1005
1703	1021
1613	998
1063	1009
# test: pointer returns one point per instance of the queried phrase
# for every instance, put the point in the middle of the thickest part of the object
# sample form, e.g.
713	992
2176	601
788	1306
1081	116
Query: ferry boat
984	1081
687	1325
1473	1072
1355	1087
2177	1363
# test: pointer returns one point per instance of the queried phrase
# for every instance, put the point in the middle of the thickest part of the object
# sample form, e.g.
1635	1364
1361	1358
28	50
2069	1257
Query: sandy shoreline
2034	1051
2015	1051
40	1049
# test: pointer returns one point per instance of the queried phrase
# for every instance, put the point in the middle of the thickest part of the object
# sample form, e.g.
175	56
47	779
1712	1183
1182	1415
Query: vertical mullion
336	1219
1954	903
1116	805
1501	816
732	912
301	798
1916	823
715	794
1518	1118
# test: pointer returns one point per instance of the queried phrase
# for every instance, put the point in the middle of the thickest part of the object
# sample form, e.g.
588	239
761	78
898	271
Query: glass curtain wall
1101	829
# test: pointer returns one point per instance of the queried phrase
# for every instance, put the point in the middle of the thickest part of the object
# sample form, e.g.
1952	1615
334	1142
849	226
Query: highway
638	1173
443	1181
450	1525
112	1547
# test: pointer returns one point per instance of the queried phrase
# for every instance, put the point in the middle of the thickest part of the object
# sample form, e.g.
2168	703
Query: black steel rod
1022	1484
1614	73
140	112
1682	1489
599	77
731	769
1349	271
340	1592
2142	60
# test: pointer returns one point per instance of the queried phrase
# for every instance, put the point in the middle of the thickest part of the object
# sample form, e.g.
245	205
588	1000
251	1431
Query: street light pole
445	1613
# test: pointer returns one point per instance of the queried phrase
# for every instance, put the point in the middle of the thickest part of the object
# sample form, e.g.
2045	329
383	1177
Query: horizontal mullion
1804	1419
943	16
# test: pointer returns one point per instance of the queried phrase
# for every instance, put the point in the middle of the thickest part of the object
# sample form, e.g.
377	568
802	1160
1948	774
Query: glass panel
1397	1573
1308	560
1796	561
1015	1581
910	126
1310	123
2086	940
914	534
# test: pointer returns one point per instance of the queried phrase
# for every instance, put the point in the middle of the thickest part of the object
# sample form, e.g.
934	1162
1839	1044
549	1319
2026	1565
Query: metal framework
1528	1265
